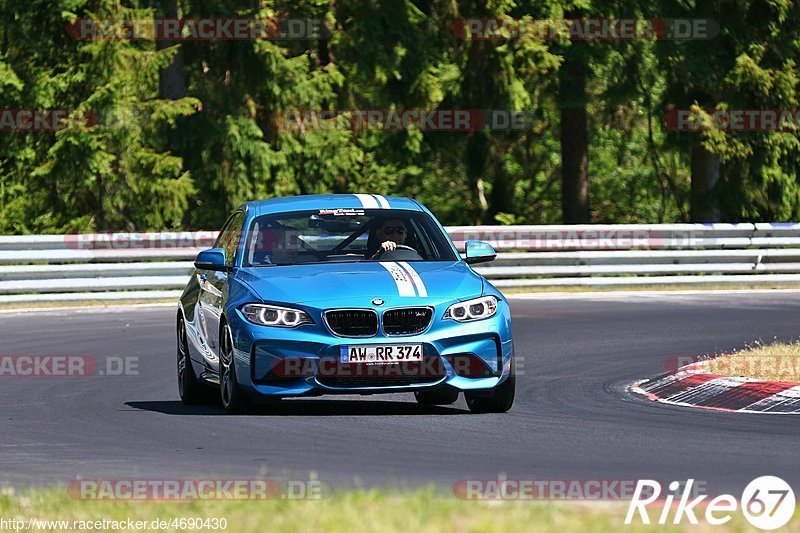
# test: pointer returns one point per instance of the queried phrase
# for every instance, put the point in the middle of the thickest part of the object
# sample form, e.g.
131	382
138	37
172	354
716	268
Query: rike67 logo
767	503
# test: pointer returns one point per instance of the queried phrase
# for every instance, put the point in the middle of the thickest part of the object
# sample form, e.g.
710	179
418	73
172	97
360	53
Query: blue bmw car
342	294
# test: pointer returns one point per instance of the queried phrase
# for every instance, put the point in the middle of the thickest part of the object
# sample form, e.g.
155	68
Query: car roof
331	201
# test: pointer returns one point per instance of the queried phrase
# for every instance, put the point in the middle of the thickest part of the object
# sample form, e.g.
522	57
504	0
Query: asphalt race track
572	419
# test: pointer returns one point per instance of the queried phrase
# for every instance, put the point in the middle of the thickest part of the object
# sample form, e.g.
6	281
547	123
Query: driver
390	233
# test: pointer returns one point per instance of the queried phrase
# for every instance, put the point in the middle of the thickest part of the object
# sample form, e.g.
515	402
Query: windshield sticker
343	212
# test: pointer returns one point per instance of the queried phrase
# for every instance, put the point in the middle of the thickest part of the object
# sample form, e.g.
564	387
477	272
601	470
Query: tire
234	401
443	397
500	402
190	389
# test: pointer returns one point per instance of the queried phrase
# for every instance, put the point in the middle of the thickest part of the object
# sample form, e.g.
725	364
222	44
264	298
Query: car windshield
345	235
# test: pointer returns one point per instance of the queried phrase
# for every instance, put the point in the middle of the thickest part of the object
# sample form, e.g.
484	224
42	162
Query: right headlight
273	315
475	309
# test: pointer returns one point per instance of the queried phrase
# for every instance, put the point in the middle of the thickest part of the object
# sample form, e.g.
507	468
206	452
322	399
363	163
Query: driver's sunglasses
389	230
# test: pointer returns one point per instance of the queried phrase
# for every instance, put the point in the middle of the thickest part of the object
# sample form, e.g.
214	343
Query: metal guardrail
157	265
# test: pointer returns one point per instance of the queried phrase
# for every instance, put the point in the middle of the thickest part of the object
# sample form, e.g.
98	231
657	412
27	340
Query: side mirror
213	259
479	252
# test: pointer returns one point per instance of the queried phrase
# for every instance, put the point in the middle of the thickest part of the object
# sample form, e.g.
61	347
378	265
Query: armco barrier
156	265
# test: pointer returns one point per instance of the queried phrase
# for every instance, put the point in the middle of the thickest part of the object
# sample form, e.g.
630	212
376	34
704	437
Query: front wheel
191	391
502	400
234	401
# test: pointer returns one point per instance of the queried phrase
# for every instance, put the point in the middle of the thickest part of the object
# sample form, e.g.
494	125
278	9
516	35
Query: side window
230	236
422	242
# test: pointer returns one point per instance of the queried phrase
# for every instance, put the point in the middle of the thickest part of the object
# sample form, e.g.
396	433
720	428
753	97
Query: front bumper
304	361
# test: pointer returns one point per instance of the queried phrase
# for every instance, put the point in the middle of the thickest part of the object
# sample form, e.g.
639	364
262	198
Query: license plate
381	354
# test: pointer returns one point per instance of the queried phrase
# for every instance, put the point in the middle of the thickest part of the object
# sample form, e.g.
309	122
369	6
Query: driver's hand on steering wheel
386	246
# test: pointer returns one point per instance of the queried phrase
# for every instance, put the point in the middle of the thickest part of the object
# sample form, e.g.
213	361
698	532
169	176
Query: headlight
272	315
476	309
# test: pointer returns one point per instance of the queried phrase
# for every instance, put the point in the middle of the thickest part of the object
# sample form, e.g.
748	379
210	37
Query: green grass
771	362
423	510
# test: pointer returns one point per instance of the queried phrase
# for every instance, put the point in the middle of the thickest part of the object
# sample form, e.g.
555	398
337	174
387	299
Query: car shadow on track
304	407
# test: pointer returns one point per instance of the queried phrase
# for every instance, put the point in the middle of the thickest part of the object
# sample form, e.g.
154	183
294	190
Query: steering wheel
382	252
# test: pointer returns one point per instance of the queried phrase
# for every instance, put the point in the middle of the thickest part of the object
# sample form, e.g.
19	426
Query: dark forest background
187	130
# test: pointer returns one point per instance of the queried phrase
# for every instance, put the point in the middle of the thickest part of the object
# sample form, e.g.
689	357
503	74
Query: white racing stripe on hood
420	285
405	286
383	201
367	201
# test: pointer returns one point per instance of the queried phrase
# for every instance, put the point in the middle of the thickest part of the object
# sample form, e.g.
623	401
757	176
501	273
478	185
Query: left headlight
272	315
475	309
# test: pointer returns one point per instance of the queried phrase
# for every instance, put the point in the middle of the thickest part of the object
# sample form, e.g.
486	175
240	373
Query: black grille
406	321
353	322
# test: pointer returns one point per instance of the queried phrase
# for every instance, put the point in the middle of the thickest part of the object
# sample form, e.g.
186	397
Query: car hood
358	284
